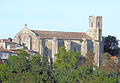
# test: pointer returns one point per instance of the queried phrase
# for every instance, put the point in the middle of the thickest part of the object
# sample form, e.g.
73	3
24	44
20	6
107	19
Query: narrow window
30	43
91	24
75	49
98	24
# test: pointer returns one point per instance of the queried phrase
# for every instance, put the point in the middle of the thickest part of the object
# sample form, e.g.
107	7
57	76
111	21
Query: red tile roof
114	57
62	35
15	52
3	40
6	41
6	50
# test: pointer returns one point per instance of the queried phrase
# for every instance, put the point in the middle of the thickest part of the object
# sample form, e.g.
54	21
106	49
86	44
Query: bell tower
95	31
95	27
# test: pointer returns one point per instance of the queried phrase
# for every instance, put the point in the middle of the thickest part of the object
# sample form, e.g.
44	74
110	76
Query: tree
72	67
66	66
116	68
69	67
67	60
111	45
16	68
107	63
22	52
89	59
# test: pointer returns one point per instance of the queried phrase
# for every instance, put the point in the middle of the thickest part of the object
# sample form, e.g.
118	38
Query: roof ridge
58	31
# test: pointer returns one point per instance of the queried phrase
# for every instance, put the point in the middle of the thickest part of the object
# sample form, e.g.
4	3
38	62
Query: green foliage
107	63
66	60
69	67
22	52
111	45
81	40
90	59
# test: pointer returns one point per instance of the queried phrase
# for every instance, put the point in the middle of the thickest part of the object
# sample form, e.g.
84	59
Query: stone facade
47	43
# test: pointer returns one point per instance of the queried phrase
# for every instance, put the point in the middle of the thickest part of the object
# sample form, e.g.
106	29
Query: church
47	43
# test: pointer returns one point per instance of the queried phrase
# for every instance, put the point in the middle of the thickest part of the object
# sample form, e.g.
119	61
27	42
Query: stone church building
47	43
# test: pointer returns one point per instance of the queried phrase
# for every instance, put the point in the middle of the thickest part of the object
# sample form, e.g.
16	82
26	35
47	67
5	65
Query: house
5	53
7	44
115	59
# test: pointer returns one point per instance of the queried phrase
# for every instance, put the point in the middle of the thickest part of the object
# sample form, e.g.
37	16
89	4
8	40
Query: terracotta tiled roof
4	50
15	52
9	42
61	35
114	57
6	41
3	40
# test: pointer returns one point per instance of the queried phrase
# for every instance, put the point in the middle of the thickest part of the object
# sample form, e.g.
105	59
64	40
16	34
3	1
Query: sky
58	15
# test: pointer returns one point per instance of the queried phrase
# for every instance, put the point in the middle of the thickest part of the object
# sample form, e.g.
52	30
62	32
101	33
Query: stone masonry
47	43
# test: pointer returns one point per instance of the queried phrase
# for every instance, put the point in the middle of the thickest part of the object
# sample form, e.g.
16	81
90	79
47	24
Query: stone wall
76	46
84	47
54	48
28	38
67	44
89	46
48	47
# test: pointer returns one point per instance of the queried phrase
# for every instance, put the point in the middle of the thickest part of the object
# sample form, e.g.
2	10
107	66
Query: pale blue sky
58	15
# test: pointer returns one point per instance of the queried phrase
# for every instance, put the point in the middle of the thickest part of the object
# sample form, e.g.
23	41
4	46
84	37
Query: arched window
19	39
25	41
30	43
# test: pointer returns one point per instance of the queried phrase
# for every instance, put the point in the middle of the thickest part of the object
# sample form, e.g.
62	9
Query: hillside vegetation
69	67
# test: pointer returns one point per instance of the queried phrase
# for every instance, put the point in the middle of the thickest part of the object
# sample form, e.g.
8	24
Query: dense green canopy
111	45
69	67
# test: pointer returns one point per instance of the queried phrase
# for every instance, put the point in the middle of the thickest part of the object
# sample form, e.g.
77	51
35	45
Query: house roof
4	50
6	41
114	57
62	35
8	51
